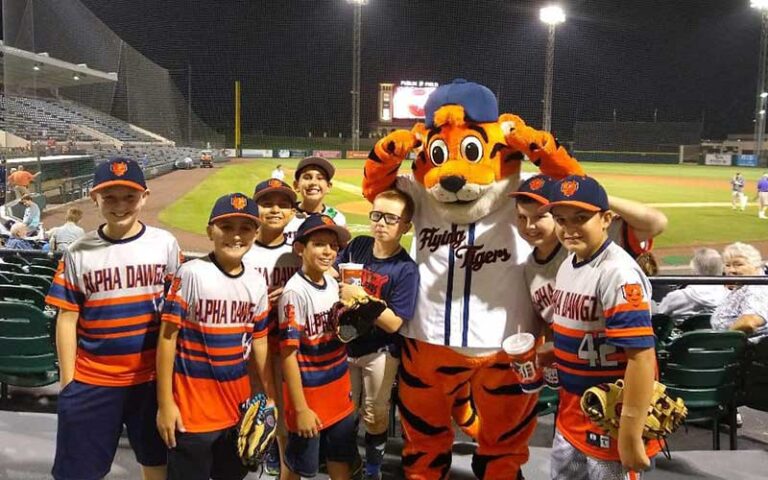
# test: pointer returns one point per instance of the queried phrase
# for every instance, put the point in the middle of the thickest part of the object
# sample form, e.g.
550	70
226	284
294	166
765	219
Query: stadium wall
627	157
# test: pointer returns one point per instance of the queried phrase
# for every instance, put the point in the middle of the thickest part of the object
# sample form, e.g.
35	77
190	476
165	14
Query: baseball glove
256	430
355	316
602	404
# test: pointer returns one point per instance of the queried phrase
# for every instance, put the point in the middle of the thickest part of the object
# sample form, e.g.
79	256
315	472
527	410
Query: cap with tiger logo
234	205
119	172
578	191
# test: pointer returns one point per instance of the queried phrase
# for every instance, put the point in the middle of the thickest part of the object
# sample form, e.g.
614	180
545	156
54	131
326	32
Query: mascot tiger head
468	157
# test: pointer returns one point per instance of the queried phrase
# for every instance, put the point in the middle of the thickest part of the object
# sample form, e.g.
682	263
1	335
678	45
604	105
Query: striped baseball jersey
277	265
301	215
472	291
117	288
218	315
600	307
540	274
305	324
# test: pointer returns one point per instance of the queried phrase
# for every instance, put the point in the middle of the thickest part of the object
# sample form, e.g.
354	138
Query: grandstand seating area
43	118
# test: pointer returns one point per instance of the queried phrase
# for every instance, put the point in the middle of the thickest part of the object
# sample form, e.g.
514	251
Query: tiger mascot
472	293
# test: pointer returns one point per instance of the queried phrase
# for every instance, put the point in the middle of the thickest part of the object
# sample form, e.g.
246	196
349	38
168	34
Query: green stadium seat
704	368
662	327
24	294
42	270
11	267
15	258
547	402
27	354
755	393
696	322
37	281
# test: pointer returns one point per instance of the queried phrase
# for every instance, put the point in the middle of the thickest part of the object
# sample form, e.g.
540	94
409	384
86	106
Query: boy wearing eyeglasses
390	274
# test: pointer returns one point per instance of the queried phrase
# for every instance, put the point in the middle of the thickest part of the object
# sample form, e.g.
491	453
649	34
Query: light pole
552	15
762	88
356	35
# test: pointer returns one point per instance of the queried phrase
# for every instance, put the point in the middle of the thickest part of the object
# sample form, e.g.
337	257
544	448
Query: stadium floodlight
762	88
552	15
555	15
36	67
75	77
356	46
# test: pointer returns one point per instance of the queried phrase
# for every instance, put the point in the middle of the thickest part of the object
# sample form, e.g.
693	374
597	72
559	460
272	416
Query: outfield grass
688	226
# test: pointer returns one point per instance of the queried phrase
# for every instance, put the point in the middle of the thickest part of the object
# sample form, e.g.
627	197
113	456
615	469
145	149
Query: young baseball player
319	411
109	289
602	333
312	179
390	274
633	227
273	257
215	314
738	197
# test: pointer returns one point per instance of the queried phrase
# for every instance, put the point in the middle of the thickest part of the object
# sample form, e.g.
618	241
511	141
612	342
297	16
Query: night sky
687	59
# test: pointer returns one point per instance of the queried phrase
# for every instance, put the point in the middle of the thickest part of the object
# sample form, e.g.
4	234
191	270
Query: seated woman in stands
746	307
17	240
697	299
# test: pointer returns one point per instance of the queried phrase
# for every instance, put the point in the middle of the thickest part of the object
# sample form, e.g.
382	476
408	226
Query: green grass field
683	185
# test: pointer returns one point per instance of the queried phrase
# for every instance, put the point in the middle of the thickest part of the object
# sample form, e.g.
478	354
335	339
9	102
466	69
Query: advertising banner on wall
357	154
327	153
283	153
718	159
746	160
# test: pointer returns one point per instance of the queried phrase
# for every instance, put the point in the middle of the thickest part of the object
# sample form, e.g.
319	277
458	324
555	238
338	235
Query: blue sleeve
343	256
402	301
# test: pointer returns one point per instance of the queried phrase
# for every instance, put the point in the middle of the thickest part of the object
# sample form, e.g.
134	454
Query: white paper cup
351	273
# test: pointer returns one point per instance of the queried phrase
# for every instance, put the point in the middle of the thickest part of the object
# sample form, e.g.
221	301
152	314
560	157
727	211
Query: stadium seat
704	368
27	354
756	377
45	271
662	327
24	294
43	284
547	402
11	268
696	322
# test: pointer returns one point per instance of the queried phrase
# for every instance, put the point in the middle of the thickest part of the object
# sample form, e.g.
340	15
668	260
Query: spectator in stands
17	241
278	173
746	307
20	181
144	162
60	237
31	214
2	180
697	299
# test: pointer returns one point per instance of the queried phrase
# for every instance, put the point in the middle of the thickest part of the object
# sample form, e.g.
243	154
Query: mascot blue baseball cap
578	191
234	205
480	104
317	222
538	188
119	172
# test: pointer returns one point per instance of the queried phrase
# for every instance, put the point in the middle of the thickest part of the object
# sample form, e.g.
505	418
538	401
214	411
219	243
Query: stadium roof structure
21	67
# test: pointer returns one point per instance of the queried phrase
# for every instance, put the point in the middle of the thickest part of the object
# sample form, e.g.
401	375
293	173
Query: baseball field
696	199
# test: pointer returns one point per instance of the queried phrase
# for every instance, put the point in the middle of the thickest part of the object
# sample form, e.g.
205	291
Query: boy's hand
168	421
347	291
632	453
274	295
308	423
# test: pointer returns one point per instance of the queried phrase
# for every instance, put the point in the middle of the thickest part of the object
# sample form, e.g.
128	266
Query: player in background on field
215	316
738	197
109	289
762	196
389	274
312	180
319	412
602	333
273	258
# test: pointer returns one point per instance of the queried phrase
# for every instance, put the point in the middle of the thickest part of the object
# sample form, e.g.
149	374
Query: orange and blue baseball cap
538	188
119	172
317	222
479	102
234	205
274	185
578	191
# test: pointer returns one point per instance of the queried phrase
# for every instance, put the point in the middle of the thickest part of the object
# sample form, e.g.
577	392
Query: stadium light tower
356	36
552	15
762	88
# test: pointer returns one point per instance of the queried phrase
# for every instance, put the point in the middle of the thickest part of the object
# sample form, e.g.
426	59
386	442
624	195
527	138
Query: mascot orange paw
540	147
